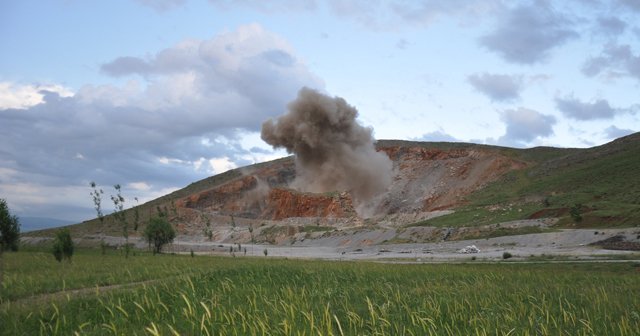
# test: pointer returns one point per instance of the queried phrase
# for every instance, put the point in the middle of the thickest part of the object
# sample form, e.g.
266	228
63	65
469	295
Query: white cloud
194	100
221	165
497	87
16	96
524	126
575	109
614	61
139	186
527	33
437	136
613	132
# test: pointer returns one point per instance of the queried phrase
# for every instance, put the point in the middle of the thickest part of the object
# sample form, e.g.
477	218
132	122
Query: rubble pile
469	249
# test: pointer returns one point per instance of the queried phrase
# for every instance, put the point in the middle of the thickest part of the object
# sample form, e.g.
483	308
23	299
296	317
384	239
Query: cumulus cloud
613	132
497	87
611	26
524	126
575	109
634	5
437	136
614	61
184	120
17	96
527	33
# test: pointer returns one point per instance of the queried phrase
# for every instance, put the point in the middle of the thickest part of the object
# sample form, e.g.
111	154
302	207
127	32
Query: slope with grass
477	185
595	187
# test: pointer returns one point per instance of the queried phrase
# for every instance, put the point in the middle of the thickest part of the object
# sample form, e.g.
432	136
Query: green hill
594	187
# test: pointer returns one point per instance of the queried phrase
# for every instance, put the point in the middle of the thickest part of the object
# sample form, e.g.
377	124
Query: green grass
603	179
315	228
481	215
251	296
33	273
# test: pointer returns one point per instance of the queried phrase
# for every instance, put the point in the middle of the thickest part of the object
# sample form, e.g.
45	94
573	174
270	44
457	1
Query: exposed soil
618	242
360	243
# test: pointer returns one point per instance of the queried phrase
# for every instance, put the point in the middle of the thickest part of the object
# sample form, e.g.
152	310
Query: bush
63	245
506	255
9	228
576	213
158	233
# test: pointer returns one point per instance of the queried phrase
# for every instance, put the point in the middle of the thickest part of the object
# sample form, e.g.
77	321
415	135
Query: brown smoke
332	151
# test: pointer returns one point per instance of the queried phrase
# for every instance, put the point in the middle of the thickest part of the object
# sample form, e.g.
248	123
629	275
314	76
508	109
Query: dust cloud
332	151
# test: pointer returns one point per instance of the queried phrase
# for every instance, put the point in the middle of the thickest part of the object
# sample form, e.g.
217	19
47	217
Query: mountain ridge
465	184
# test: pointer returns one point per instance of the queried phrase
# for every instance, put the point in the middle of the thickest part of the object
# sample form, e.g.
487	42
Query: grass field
170	295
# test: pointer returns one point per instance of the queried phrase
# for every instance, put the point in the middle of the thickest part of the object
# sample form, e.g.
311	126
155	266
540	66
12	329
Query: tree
96	195
9	228
9	232
63	245
575	213
119	216
158	233
136	215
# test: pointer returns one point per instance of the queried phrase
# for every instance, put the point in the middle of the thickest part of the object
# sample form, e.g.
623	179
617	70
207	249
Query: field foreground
178	294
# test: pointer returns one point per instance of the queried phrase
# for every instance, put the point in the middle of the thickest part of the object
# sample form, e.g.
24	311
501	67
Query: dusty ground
378	244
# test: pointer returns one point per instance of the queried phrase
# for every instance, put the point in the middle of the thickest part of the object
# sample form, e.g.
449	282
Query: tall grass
283	297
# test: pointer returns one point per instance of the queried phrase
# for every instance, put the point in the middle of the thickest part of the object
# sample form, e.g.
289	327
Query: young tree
96	195
119	216
136	215
63	245
158	233
9	232
576	213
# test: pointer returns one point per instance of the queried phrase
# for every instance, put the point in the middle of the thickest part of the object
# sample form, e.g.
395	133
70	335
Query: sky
156	94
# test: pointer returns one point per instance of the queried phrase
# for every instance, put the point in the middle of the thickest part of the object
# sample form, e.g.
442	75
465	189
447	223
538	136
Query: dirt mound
618	242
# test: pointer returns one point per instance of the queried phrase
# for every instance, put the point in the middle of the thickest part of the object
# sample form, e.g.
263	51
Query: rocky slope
439	191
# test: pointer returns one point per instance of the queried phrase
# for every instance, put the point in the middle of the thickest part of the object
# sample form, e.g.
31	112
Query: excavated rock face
287	203
228	198
425	179
430	179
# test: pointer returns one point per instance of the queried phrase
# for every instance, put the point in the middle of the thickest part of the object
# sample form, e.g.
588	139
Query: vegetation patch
222	296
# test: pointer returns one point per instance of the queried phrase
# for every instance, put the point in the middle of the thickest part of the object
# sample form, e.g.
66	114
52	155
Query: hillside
446	185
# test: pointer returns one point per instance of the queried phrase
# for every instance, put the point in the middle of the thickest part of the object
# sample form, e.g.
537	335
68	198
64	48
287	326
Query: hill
38	223
435	184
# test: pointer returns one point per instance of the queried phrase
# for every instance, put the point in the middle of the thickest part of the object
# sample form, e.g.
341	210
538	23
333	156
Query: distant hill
28	224
476	184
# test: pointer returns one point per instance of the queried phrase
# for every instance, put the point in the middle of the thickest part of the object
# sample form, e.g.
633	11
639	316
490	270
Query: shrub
9	228
63	245
506	255
576	213
158	233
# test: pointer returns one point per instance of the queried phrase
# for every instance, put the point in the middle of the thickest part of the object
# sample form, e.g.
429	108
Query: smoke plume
332	151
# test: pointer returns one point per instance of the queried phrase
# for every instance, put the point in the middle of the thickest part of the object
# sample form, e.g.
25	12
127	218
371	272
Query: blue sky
154	95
